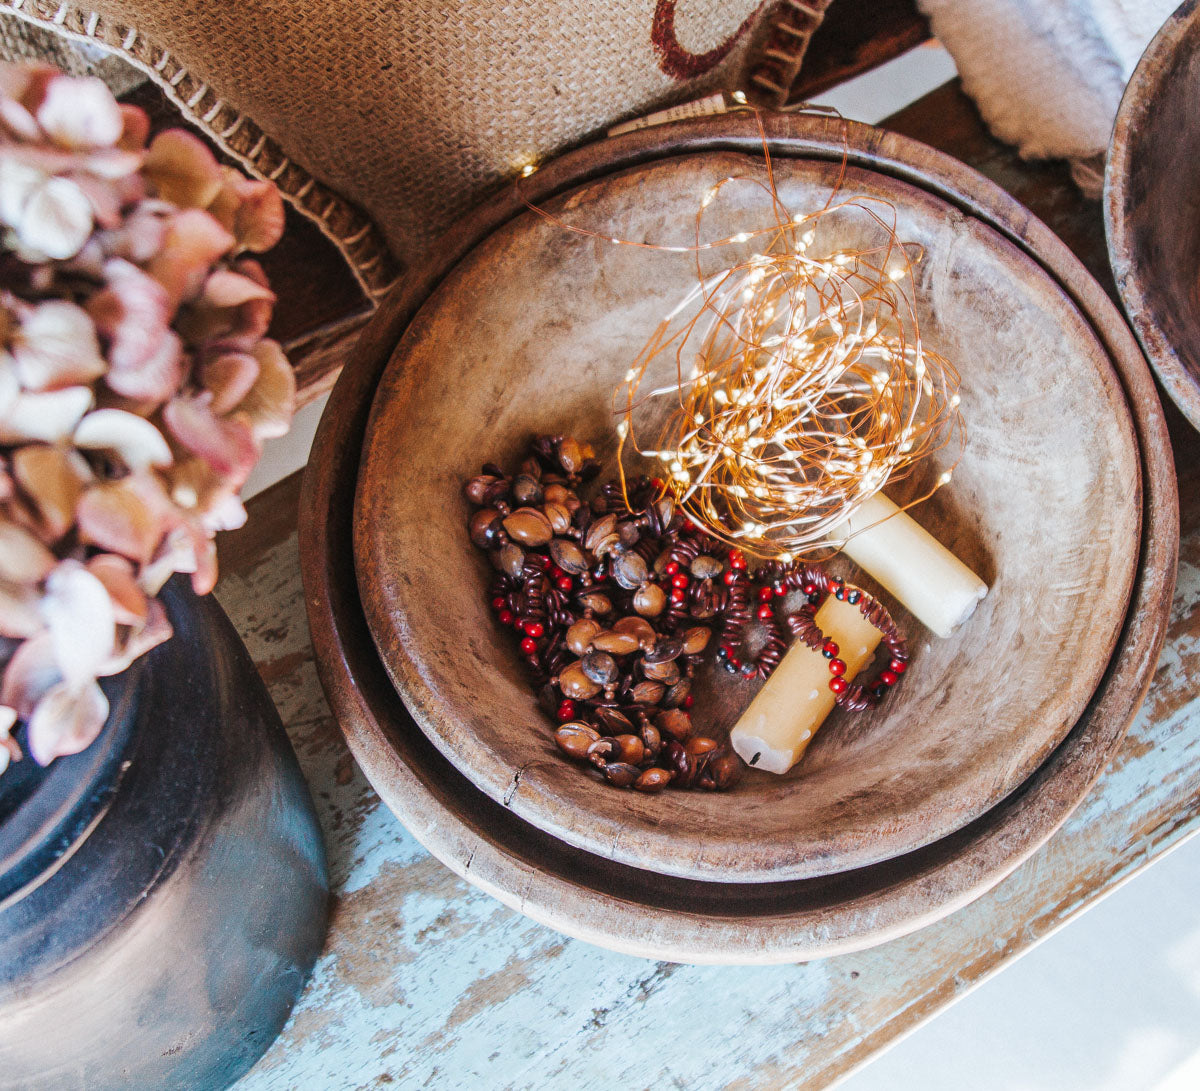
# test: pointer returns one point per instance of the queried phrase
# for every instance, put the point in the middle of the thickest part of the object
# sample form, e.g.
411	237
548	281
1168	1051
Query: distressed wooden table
426	981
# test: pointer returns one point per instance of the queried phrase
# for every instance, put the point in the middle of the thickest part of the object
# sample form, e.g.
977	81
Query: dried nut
533	468
476	489
579	635
567	555
633	750
663	511
660	563
577	685
629	570
629	534
570	454
666	673
598	531
653	780
614	722
615	643
596	601
529	526
575	738
666	648
638	627
603	750
526	490
485	527
726	770
648	693
622	774
652	738
678	693
599	667
679	761
512	559
559	516
705	567
696	639
608	546
674	722
496	492
699	745
557	494
649	600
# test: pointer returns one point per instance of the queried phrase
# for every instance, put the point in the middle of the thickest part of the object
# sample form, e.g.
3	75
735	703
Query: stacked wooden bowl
1064	501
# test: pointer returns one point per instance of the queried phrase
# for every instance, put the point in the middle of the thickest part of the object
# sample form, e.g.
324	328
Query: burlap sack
413	110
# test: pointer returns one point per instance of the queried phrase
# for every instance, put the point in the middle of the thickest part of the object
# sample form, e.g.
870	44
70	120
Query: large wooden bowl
534	330
1152	205
659	916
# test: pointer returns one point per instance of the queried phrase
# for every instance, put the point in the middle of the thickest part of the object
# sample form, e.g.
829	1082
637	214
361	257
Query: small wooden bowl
534	330
1152	205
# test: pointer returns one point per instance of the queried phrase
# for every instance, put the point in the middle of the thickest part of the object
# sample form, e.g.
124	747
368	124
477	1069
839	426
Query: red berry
507	617
564	583
838	684
837	667
830	648
764	611
671	568
688	701
897	666
765	594
678	595
499	602
809	588
781	590
731	576
533	628
529	645
889	678
679	580
566	711
553	571
737	560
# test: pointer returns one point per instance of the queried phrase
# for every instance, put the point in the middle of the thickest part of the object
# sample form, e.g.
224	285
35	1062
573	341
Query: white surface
1109	1003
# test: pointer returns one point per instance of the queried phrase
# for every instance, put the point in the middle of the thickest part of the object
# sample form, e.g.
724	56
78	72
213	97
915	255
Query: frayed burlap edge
346	226
777	54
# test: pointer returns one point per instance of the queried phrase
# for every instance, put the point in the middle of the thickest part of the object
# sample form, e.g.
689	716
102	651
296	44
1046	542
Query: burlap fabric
414	109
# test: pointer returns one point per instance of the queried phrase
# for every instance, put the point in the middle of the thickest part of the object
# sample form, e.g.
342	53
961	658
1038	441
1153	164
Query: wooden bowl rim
1145	311
488	846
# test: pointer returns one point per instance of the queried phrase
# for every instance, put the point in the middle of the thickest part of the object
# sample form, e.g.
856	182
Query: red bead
764	611
737	560
678	595
657	483
889	678
765	594
565	583
735	663
837	667
897	666
688	701
499	602
553	571
838	684
507	617
809	588
830	648
728	650
781	590
671	568
679	580
533	628
529	645
730	577
566	711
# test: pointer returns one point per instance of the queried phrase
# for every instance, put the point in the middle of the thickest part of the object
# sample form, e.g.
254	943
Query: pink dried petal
29	674
182	169
228	378
194	241
52	479
56	347
133	439
204	579
271	403
55	221
140	236
226	444
225	288
81	620
113	165
141	638
102	195
10	388
224	510
129	601
23	559
10	749
135	128
128	517
49	417
175	554
18	180
20	613
80	113
19	122
258	218
66	720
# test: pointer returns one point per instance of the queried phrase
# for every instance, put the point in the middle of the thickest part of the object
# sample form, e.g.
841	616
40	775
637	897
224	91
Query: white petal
66	720
46	417
17	182
82	624
80	113
138	443
56	347
56	220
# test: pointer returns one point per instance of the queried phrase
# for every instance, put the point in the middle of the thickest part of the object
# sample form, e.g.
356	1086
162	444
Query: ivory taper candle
775	730
923	574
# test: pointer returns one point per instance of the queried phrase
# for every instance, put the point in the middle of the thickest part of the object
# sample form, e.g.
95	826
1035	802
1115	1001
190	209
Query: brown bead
597	602
666	673
614	722
567	555
570	454
633	750
677	694
475	490
575	738
622	774
602	528
599	667
512	559
615	643
529	526
652	738
579	635
726	770
558	494
577	685
666	648
526	489
630	571
485	527
696	639
559	516
698	745
604	749
649	600
637	627
532	467
674	722
648	693
705	567
653	780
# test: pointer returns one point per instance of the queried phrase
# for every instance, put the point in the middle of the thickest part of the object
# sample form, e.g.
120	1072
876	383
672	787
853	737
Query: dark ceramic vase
163	895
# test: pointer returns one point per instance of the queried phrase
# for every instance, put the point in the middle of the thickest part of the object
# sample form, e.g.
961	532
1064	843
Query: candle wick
754	760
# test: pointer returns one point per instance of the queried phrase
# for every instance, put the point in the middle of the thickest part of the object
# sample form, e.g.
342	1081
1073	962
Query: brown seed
699	745
633	750
622	774
638	627
678	693
678	760
696	639
575	738
599	667
704	601
577	685
726	770
652	738
529	526
648	693
604	750
630	571
629	534
570	454
598	531
579	635
614	722
666	648
557	494
597	602
649	600
615	643
653	780
674	722
559	516
666	673
526	490
532	467
485	527
705	567
476	488
567	555
608	546
512	559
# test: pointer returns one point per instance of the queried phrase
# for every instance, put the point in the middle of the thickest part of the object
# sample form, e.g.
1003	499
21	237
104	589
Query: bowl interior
534	330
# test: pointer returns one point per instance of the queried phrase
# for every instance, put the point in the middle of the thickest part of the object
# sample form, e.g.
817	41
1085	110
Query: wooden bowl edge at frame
490	847
1161	299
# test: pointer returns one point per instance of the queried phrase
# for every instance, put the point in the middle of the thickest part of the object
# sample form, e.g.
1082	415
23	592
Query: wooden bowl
532	332
658	916
1152	205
